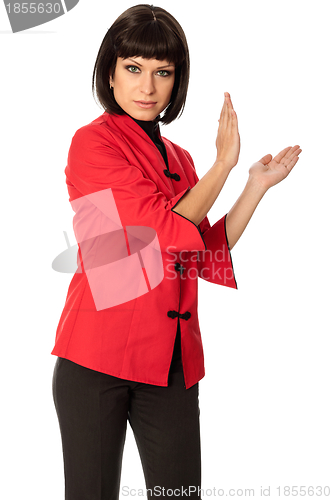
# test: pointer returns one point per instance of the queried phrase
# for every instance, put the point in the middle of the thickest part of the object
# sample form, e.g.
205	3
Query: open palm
269	171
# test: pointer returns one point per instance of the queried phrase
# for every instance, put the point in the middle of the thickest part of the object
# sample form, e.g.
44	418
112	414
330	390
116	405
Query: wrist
222	166
256	186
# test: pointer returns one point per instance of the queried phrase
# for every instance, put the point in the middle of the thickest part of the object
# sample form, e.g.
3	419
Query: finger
294	151
230	100
282	153
228	115
232	113
229	107
297	151
292	163
266	159
224	108
289	164
234	118
226	118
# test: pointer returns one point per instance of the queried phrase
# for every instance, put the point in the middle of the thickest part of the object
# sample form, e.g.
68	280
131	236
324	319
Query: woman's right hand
228	137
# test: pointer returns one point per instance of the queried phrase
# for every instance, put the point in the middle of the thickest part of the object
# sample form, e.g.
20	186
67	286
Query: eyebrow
160	67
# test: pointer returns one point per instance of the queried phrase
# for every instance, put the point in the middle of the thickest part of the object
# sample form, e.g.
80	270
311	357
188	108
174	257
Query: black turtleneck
151	128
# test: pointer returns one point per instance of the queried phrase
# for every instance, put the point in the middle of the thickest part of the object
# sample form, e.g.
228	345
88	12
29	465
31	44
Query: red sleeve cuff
215	264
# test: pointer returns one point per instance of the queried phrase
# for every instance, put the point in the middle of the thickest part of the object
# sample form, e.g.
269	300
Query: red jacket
138	259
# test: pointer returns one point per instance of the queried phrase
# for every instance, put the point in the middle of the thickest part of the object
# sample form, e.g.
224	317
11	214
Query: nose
147	84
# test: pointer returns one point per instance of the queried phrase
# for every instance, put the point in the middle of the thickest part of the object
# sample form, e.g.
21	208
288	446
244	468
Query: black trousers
93	409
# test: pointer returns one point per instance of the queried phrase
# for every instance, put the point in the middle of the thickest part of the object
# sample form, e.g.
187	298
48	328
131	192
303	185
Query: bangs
150	41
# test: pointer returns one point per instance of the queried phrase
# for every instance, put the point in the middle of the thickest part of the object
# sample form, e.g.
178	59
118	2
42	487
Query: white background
266	398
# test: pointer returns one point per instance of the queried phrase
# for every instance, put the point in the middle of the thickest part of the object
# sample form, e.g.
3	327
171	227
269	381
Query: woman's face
143	87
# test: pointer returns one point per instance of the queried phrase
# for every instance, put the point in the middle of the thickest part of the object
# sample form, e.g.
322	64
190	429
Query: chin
144	114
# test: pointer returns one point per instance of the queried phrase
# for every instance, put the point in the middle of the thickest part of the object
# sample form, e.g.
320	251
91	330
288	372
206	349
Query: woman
128	341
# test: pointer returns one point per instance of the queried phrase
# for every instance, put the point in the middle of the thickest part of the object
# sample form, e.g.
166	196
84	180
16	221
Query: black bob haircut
149	32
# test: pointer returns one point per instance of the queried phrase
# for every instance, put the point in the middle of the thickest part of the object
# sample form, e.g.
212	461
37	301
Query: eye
132	69
165	73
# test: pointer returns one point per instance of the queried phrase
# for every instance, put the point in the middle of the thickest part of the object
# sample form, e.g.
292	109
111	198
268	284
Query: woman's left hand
269	171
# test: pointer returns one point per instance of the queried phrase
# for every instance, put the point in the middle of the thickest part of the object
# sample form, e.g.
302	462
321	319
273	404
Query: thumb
266	159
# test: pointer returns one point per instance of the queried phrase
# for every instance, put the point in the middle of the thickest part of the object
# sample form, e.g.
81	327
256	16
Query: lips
145	104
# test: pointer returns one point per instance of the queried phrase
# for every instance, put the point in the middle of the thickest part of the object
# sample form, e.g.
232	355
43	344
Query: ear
110	76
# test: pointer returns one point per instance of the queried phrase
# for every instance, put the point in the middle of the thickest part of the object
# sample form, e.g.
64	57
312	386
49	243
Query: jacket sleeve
97	167
215	263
